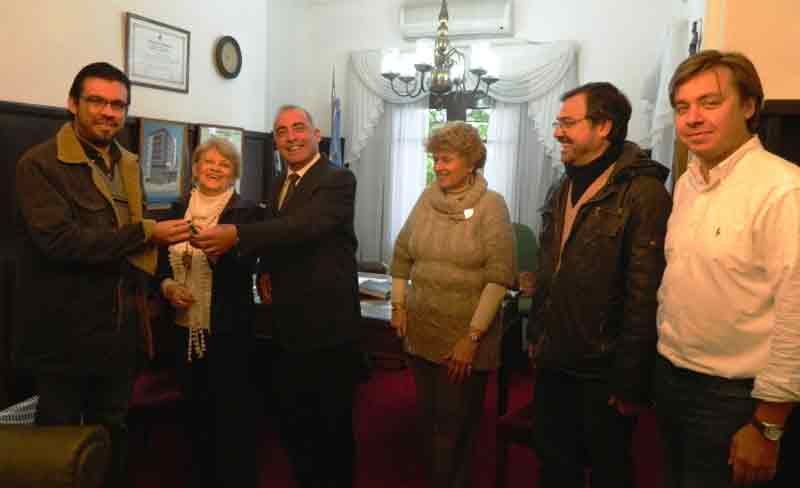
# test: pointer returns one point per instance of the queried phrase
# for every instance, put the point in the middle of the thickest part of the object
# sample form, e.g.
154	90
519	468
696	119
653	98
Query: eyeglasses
567	123
99	103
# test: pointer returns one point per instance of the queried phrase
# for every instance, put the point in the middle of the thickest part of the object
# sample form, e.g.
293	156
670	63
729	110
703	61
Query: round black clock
228	57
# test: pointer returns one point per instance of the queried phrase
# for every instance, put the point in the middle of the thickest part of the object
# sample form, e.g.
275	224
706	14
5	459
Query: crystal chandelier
448	74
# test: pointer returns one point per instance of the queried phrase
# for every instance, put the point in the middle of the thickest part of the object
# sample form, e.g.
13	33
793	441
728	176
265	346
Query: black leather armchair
53	457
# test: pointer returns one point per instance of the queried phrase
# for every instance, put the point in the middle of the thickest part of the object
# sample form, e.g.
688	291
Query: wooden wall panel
258	160
780	128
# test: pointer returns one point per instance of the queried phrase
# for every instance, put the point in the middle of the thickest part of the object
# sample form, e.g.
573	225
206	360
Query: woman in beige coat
457	250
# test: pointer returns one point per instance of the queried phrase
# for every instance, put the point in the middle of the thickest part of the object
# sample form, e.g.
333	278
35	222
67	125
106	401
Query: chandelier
447	76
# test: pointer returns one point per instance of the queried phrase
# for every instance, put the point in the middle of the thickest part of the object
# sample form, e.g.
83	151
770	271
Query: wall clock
228	56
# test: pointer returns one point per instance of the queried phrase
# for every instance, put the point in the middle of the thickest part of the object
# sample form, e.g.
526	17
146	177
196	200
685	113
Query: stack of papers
375	288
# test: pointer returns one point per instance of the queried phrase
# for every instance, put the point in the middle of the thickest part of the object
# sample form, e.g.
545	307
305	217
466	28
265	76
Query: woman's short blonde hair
225	148
460	138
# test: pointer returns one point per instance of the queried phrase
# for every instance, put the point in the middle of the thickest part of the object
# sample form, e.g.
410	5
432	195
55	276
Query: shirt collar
302	171
93	153
71	149
723	169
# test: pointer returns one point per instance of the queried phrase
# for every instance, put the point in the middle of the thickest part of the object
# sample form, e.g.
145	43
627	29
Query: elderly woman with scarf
213	305
457	249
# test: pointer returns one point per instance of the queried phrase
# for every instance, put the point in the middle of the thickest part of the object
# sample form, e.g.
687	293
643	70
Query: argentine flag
335	150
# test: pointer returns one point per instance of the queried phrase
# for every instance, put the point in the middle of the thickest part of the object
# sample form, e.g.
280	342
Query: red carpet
388	444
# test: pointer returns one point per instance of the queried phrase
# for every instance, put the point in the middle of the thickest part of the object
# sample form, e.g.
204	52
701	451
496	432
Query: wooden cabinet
780	128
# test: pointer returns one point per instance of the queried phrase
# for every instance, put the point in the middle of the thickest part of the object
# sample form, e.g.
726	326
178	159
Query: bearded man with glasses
84	260
593	318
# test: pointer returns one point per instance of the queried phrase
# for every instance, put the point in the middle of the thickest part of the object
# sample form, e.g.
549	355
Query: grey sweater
450	247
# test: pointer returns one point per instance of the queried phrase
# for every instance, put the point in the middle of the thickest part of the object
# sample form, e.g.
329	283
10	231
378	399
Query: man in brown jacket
84	258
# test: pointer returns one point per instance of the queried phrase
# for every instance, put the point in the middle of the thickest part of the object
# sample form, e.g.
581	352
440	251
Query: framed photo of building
156	54
163	153
234	135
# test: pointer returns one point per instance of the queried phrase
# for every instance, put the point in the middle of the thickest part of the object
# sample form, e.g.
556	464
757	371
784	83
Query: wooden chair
514	427
74	456
515	317
156	398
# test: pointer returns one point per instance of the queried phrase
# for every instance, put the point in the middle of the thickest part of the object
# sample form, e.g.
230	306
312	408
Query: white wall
290	54
48	41
696	8
318	34
619	41
290	47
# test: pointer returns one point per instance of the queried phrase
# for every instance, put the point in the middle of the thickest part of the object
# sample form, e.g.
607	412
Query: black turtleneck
583	176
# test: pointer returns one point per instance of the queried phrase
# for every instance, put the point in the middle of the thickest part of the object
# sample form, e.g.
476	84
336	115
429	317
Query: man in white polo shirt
728	373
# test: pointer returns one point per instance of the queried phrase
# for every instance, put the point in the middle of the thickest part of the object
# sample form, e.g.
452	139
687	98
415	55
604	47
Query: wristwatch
771	432
475	335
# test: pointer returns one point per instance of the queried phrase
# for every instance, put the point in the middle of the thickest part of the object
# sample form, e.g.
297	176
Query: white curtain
366	92
518	164
537	168
391	175
372	181
503	150
537	75
655	93
533	73
407	165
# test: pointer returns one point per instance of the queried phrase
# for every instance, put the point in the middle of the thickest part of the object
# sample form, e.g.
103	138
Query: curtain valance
533	73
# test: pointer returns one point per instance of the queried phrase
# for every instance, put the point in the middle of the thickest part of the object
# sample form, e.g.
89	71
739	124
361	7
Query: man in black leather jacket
593	320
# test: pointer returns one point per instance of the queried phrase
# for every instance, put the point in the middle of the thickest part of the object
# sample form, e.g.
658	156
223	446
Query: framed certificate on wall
156	54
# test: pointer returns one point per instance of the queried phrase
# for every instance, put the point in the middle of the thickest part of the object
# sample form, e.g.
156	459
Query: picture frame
234	135
163	154
156	54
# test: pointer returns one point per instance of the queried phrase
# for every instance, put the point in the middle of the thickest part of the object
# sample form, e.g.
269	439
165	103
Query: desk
379	340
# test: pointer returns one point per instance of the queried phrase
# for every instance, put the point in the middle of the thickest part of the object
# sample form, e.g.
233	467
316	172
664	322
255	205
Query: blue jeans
698	415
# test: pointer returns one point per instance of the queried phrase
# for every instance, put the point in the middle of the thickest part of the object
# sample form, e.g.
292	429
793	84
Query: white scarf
190	267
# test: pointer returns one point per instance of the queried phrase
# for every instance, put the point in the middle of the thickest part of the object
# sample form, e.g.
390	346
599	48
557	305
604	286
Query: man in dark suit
308	249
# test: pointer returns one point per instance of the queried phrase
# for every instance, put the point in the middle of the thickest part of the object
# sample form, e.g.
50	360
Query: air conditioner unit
468	18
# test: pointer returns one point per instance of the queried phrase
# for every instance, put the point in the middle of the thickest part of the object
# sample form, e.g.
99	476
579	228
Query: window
480	119
436	119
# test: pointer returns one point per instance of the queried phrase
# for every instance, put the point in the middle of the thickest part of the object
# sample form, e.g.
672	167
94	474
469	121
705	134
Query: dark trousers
574	427
451	415
314	393
76	400
698	415
220	419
